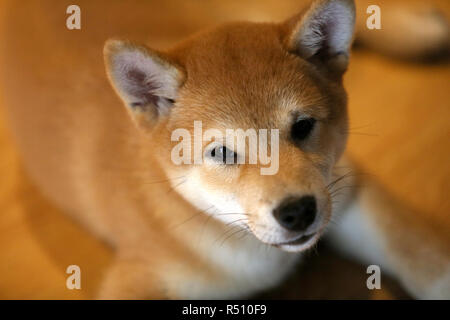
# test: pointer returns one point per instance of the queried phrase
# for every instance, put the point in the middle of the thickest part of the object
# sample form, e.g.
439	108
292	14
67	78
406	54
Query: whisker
161	181
176	186
232	227
231	213
233	234
192	217
206	222
344	176
342	188
235	221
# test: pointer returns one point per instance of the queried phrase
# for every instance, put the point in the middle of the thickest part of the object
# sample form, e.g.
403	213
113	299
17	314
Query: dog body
210	230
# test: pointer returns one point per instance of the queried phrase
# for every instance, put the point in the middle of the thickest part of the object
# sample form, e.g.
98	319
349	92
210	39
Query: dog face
283	78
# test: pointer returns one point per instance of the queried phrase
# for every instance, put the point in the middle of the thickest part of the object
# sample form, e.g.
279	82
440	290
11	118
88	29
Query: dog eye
223	155
302	128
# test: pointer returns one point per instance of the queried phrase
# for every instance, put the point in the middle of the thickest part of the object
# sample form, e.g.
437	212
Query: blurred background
399	134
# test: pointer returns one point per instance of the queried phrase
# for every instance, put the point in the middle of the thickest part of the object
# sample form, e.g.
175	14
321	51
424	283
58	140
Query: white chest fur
247	266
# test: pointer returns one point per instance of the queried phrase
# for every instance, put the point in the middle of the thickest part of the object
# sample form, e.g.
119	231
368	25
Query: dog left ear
146	80
323	34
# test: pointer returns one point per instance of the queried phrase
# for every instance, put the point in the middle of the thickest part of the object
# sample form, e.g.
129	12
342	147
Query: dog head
283	78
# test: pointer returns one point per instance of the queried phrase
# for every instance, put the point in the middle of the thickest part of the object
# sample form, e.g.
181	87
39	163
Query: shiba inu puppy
215	230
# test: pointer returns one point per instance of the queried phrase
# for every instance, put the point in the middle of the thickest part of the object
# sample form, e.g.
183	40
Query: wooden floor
400	134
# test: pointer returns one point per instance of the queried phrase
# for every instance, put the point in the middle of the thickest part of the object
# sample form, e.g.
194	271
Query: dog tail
409	29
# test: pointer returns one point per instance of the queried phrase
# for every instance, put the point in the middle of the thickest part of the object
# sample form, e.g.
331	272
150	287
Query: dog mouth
300	240
298	244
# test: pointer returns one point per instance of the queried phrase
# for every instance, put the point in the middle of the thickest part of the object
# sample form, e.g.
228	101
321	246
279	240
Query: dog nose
296	214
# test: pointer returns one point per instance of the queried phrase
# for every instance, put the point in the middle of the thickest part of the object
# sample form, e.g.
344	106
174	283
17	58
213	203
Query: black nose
296	214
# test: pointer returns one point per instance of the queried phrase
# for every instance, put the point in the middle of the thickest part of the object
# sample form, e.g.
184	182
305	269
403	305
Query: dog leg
130	279
375	229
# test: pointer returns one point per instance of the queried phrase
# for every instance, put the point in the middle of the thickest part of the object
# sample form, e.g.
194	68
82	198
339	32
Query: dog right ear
323	34
146	81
